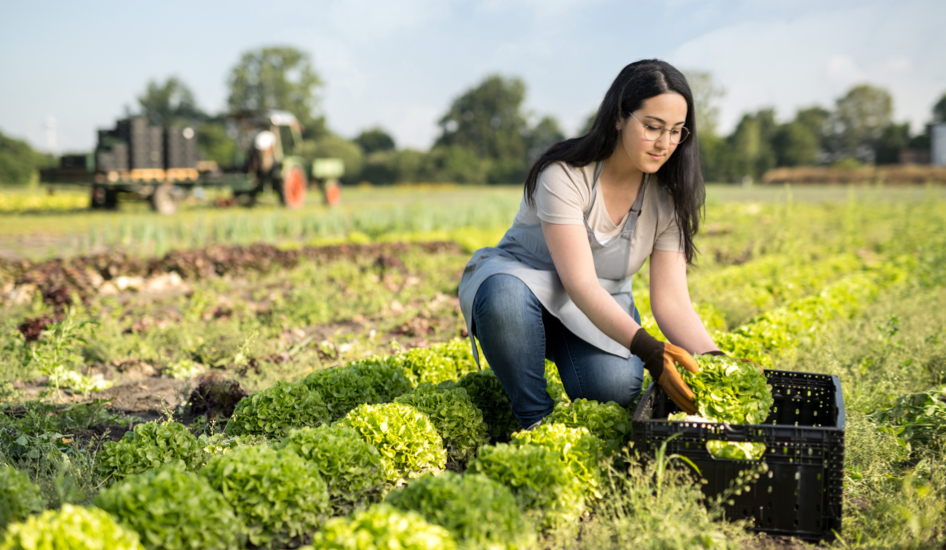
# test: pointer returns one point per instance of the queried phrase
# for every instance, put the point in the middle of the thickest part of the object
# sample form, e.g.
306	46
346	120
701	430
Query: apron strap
594	189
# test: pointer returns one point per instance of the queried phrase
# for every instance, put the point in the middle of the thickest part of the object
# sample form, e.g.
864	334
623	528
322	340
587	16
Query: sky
399	64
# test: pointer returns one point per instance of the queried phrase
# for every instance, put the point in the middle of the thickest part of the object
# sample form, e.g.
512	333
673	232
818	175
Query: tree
18	161
795	144
488	120
214	143
749	148
169	103
858	121
542	136
706	94
375	139
939	111
893	139
278	78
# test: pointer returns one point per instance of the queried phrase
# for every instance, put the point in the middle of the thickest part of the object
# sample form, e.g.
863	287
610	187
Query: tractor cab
269	143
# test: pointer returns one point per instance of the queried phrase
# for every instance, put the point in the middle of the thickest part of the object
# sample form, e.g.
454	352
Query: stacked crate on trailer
180	153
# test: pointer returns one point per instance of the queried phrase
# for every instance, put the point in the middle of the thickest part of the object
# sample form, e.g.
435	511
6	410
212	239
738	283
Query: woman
558	285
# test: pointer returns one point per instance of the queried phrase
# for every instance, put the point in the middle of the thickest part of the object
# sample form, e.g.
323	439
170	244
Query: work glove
741	360
659	358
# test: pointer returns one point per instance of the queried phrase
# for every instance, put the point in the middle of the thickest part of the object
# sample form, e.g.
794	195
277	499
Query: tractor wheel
333	193
166	198
292	189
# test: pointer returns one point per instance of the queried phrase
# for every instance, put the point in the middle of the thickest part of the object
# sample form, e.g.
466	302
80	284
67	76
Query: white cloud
813	58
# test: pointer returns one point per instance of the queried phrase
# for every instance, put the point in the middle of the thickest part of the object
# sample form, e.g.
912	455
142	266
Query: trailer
160	164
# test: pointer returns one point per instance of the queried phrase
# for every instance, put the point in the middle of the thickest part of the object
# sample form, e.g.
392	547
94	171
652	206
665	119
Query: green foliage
553	383
350	466
333	146
374	139
919	418
369	381
71	528
543	485
148	446
213	143
18	161
729	391
488	119
581	452
609	422
277	494
56	355
19	497
858	121
382	527
490	398
169	103
276	78
458	421
480	513
174	509
278	409
407	440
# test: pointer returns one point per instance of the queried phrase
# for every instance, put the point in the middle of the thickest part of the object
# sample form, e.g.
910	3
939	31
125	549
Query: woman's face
665	111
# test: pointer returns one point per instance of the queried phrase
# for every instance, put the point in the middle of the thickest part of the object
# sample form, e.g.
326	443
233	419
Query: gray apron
523	253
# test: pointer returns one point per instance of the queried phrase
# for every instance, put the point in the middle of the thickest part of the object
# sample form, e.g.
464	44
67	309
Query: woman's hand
575	265
659	358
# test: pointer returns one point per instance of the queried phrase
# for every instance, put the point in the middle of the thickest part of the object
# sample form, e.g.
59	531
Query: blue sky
399	63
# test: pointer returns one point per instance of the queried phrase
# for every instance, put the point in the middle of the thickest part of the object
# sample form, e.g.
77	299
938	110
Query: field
114	320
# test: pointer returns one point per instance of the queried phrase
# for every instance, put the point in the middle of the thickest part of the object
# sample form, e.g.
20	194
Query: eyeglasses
655	132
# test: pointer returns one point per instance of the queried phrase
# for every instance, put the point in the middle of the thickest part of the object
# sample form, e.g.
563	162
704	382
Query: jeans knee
502	299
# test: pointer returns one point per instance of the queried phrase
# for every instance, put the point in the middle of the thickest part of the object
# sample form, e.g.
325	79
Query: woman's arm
575	265
670	302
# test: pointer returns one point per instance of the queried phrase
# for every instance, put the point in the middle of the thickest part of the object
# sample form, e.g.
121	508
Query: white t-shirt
563	194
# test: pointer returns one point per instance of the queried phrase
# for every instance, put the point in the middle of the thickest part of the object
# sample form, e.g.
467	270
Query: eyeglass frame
662	132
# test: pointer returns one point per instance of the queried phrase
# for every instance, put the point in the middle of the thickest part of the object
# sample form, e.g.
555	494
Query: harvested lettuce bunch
729	391
736	450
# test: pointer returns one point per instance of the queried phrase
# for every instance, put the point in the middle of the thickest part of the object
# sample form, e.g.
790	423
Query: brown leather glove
659	358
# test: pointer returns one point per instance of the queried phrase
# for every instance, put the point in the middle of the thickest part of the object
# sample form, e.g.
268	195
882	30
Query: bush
148	446
543	486
576	448
278	409
609	422
70	528
370	381
278	495
382	527
19	497
407	440
457	420
490	398
172	508
478	512
350	466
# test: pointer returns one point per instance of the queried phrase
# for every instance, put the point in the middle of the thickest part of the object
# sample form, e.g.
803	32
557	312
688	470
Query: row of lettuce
354	456
381	438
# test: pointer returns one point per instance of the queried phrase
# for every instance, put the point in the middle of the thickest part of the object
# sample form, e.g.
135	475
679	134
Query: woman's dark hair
681	174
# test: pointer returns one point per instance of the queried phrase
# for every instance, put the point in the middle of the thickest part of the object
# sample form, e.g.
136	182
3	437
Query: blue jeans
517	334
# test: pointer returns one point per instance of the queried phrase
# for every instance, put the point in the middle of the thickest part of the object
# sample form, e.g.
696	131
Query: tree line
488	136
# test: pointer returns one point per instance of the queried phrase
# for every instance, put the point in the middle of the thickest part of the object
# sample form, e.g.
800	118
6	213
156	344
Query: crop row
394	429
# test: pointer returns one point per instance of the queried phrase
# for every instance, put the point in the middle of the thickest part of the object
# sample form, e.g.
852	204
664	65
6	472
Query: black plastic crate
801	494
